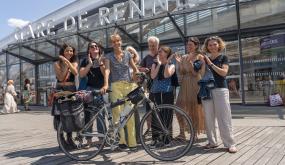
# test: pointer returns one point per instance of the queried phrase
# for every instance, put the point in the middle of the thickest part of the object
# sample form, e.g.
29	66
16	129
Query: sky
15	13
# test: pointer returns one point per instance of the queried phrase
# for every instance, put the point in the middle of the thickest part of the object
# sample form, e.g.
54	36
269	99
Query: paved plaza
29	138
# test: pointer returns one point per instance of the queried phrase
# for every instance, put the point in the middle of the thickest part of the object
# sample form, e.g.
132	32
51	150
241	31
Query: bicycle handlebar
98	92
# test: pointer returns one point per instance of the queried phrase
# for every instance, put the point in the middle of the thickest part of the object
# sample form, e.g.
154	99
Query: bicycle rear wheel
166	144
81	146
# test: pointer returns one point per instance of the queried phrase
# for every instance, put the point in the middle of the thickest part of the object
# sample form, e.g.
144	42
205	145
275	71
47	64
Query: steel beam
182	36
18	56
84	37
53	43
45	55
127	34
241	69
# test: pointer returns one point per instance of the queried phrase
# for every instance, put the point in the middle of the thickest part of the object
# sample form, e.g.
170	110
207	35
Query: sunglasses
93	46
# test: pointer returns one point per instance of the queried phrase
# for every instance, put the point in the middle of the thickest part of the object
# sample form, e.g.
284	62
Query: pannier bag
136	95
72	115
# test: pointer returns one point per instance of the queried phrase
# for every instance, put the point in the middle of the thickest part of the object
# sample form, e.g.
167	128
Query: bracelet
211	65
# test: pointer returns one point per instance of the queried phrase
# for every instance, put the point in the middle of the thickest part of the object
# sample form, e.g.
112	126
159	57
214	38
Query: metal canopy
53	43
45	55
19	56
230	34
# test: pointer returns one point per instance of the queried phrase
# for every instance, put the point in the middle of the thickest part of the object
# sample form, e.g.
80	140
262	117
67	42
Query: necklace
118	55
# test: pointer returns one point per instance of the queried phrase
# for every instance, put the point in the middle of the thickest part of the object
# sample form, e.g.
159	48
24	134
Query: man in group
145	66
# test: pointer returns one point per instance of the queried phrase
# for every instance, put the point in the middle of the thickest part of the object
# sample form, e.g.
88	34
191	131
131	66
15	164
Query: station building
254	31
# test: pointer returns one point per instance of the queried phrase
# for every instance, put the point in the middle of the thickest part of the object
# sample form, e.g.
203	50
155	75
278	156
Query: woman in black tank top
65	70
66	66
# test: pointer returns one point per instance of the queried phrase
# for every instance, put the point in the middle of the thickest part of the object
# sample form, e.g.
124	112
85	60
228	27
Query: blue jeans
89	115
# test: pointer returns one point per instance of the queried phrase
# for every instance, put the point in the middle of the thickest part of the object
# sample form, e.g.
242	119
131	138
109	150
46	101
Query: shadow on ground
53	154
32	153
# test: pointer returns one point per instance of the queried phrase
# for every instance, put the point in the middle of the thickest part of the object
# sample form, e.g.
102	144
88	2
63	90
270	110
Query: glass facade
253	30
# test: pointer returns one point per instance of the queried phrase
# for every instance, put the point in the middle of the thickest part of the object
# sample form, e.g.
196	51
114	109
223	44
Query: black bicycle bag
72	115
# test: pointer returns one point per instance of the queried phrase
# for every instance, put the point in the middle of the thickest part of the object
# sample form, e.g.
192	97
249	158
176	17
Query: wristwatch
211	65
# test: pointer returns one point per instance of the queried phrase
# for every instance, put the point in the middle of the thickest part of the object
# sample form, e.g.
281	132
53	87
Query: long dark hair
62	49
27	81
99	46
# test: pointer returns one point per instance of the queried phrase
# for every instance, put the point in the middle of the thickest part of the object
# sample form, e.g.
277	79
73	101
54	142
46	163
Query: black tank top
71	78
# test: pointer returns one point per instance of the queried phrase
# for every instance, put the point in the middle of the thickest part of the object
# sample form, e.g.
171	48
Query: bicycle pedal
113	147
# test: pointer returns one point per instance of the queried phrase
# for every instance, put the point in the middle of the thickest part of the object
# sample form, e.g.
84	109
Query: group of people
118	69
10	97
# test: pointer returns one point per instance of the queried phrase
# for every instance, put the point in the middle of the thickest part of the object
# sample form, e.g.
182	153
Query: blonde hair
115	36
220	41
136	54
10	82
130	48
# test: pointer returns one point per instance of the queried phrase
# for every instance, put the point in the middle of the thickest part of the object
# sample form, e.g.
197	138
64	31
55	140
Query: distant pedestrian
219	106
10	105
27	94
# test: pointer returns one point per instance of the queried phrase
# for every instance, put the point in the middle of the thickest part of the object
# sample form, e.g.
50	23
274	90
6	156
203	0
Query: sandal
232	149
210	146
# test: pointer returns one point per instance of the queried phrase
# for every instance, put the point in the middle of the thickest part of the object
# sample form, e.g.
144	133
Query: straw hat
10	82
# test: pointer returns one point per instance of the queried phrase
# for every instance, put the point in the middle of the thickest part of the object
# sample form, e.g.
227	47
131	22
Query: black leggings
165	115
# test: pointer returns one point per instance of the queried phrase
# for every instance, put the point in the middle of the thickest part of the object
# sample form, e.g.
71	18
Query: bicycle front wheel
83	146
160	132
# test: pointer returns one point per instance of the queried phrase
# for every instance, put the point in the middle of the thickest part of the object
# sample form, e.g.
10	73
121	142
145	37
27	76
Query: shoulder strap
221	58
66	76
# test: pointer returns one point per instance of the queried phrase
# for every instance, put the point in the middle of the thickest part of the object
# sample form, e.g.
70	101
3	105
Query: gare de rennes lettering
43	29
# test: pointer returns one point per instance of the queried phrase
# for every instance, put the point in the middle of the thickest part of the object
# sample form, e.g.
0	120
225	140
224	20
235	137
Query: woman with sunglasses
92	68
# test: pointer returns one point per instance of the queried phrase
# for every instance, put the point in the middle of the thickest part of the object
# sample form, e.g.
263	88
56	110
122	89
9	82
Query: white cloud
15	22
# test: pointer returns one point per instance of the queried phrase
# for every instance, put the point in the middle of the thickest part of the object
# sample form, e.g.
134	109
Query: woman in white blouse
10	105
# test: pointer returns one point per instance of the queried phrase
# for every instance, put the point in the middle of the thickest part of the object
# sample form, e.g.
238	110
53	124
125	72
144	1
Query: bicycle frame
117	126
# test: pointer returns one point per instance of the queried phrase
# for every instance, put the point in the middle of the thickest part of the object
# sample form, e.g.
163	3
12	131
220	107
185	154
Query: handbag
275	100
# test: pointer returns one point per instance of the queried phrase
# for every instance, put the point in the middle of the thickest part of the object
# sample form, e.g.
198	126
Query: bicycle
168	148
